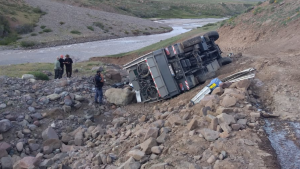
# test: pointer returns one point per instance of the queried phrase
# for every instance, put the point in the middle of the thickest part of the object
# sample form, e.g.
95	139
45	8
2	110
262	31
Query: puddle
285	139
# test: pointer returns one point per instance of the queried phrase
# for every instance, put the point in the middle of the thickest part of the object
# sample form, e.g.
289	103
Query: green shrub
271	1
249	9
90	28
39	10
222	23
23	29
47	30
61	23
210	24
146	33
135	32
259	3
9	39
41	32
4	27
99	24
43	27
75	32
126	32
257	10
27	44
33	34
39	75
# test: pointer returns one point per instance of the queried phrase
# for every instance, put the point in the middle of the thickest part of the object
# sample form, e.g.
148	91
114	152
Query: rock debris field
55	124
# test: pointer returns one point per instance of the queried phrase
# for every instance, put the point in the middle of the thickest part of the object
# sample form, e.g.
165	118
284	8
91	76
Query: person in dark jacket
99	81
68	62
57	69
62	60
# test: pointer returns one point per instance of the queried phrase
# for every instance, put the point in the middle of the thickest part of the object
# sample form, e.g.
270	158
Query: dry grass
84	68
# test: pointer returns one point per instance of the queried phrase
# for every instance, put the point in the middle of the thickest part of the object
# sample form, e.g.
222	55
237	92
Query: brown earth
269	45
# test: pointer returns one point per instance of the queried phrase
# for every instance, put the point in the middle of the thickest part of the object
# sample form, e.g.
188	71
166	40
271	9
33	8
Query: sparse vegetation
9	39
61	23
271	1
126	32
33	34
257	10
27	44
23	19
75	32
23	29
135	32
259	3
43	27
47	30
210	24
39	75
90	28
98	24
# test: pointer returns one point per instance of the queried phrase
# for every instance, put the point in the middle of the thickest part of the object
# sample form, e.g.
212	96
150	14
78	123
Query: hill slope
268	36
16	17
167	8
66	23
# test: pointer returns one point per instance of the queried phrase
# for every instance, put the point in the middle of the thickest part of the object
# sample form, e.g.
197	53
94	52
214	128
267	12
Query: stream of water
84	51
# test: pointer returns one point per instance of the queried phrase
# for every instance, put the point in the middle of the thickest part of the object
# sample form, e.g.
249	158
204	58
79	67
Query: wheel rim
143	70
152	92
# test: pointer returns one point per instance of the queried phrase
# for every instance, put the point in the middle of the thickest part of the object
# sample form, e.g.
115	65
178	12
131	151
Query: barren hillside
70	24
269	38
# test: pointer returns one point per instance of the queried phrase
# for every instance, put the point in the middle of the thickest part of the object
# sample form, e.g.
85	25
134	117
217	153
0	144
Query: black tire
201	79
191	42
213	35
224	61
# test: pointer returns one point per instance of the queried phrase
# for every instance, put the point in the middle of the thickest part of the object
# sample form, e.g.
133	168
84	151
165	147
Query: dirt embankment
268	36
66	24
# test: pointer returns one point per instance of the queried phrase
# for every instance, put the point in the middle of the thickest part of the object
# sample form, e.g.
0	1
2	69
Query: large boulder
228	101
49	133
113	76
136	154
28	76
53	96
6	162
130	164
119	96
5	125
210	135
148	144
28	162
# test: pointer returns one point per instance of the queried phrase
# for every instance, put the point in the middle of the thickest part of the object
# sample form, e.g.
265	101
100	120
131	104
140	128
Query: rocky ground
55	124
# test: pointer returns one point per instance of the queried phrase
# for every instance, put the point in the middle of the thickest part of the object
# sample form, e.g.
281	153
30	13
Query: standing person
62	60
99	81
68	62
57	69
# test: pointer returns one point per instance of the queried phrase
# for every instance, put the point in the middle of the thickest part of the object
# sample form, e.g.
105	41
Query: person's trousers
99	95
62	72
69	71
57	73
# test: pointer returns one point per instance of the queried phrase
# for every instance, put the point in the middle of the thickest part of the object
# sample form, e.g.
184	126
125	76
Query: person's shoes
96	102
100	103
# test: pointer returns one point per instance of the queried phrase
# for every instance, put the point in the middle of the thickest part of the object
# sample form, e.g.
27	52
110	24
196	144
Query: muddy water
84	51
285	139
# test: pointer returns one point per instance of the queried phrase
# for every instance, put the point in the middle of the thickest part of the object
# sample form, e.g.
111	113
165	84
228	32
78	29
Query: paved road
84	51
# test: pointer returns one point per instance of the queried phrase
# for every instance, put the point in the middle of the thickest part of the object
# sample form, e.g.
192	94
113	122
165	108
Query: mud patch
284	138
